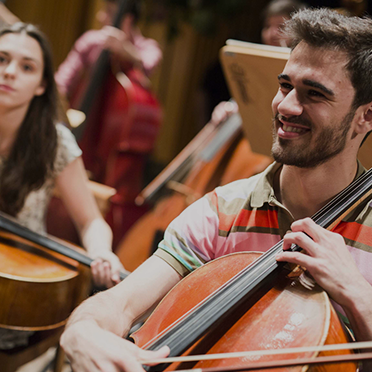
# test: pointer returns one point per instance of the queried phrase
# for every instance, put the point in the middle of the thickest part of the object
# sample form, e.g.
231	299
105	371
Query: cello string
198	321
362	182
255	353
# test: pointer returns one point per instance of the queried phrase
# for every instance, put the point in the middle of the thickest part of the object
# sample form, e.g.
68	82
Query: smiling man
322	112
311	126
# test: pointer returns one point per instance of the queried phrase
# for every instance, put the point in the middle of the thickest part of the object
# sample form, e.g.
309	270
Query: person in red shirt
126	115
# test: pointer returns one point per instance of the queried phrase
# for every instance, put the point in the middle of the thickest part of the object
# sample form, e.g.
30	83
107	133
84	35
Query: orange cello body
234	160
38	287
286	316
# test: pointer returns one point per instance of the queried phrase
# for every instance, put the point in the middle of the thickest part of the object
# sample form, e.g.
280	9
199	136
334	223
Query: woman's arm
95	234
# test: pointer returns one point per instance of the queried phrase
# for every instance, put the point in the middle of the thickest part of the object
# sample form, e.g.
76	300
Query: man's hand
102	351
327	259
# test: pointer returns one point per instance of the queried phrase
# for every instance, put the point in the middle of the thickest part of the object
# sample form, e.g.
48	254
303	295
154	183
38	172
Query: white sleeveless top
32	215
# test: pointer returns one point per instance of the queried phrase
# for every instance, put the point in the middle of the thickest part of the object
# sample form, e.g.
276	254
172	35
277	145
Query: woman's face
21	70
271	33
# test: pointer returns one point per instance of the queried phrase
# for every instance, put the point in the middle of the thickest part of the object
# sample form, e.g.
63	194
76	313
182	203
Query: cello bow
288	363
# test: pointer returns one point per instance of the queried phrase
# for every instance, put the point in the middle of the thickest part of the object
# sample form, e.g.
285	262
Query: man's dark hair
324	28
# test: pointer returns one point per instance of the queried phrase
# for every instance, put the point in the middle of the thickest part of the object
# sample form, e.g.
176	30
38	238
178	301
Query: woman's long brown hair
31	159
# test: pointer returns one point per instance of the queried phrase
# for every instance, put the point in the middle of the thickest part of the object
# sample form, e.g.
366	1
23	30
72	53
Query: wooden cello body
120	134
41	279
287	316
38	287
234	303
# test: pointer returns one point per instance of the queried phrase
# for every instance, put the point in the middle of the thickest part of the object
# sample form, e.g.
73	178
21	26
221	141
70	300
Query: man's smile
290	130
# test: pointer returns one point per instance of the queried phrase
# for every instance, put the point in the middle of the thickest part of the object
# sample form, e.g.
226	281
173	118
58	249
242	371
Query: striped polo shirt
246	216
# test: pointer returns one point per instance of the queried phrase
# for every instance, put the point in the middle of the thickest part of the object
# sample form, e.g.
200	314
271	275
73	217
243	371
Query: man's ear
364	123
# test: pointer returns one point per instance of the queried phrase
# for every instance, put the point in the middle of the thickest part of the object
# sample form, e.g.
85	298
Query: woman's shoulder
68	149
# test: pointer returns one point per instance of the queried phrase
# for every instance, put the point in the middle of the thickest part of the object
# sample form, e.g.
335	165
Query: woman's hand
223	111
105	269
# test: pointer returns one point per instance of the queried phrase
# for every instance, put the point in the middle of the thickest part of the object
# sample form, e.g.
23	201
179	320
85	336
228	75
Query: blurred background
190	33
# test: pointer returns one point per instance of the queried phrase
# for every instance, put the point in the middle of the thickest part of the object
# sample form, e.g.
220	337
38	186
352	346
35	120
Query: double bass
123	119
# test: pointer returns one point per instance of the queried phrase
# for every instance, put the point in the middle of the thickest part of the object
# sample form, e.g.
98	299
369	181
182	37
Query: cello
248	301
41	281
225	156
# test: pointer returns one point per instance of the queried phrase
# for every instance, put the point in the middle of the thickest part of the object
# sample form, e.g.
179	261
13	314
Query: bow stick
255	353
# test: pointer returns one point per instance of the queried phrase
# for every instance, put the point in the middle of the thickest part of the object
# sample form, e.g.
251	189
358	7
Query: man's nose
290	105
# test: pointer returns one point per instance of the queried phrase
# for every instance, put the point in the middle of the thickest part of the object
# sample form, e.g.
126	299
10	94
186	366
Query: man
322	113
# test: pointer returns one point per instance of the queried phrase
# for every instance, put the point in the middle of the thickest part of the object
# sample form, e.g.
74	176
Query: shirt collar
264	189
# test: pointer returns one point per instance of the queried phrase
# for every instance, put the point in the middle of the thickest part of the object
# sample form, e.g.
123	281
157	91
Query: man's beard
329	142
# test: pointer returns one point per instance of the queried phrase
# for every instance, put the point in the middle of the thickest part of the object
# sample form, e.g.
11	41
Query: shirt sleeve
190	239
150	53
67	151
81	57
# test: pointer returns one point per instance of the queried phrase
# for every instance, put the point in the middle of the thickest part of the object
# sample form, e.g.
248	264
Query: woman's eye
28	68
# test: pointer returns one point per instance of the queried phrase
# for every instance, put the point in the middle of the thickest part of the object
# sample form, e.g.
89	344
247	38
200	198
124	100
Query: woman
38	154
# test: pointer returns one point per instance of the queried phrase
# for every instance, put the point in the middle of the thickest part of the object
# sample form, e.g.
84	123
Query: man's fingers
300	239
309	227
296	258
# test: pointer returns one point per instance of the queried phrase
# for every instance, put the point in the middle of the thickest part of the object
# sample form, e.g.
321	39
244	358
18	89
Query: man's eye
285	86
2	59
315	93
